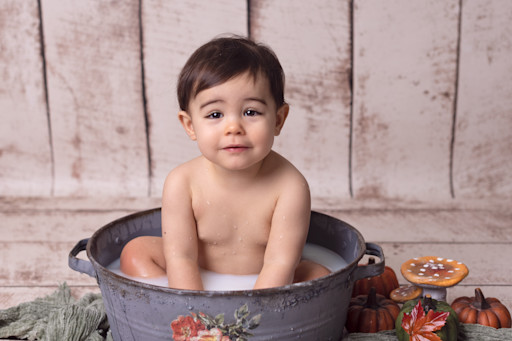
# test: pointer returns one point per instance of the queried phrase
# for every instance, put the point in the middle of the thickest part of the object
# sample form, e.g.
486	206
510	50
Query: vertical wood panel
94	81
25	156
483	139
312	41
405	55
172	31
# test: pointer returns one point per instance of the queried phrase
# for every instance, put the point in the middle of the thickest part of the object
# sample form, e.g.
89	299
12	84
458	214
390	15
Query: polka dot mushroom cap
435	271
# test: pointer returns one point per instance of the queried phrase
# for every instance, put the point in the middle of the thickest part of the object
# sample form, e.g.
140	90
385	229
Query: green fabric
57	317
468	332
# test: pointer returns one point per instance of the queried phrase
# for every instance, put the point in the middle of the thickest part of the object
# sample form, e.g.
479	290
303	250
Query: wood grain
428	225
35	242
25	154
172	31
54	225
312	41
95	97
405	55
483	139
45	263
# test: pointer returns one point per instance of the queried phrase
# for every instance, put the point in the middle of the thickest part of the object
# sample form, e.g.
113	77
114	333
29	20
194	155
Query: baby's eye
214	114
251	112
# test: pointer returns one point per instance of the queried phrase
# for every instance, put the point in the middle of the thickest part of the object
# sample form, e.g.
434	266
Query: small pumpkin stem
428	304
480	302
371	260
371	301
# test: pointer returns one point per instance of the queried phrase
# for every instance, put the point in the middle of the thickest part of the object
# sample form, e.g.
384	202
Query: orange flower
185	328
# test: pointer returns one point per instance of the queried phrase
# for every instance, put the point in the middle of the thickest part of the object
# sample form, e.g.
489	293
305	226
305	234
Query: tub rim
352	268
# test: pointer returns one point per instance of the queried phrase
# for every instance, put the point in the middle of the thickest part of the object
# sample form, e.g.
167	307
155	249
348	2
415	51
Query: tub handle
80	265
370	270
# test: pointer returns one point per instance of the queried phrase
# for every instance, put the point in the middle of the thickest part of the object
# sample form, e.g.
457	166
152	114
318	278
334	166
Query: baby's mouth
234	148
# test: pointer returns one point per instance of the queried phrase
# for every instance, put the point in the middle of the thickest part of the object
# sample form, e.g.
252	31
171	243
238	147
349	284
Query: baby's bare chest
243	219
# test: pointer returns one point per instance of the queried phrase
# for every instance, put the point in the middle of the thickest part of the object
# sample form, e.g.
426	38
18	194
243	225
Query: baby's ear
281	115
186	122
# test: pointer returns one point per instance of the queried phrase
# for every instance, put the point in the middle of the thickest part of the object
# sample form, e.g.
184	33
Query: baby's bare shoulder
182	176
284	172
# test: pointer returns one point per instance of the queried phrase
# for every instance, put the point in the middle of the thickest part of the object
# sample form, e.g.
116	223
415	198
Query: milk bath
224	282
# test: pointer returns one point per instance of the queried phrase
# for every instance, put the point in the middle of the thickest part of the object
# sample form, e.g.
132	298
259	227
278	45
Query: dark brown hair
224	58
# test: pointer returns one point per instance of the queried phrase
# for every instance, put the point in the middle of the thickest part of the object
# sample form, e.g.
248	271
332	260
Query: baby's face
234	123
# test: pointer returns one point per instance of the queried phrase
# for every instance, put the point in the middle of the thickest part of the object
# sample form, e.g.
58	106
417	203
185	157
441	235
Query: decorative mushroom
405	293
434	274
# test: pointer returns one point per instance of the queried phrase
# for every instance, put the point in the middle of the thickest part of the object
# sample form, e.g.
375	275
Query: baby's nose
234	127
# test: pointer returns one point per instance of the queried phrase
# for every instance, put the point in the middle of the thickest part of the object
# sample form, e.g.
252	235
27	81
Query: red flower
184	328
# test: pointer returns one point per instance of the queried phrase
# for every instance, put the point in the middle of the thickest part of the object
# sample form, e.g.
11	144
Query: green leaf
219	319
242	312
255	321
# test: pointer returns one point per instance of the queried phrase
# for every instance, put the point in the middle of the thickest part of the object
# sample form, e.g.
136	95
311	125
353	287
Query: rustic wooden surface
483	143
395	100
95	98
36	236
404	87
25	150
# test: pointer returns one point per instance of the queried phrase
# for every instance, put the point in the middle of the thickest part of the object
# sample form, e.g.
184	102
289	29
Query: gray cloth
468	332
57	317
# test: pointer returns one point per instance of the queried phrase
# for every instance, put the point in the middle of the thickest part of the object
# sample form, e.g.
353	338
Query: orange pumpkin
383	283
371	313
485	311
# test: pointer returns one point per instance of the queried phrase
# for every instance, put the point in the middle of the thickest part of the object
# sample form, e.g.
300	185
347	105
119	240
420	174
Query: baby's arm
289	228
179	234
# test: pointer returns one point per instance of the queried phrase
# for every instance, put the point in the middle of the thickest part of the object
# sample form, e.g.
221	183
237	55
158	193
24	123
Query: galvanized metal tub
313	310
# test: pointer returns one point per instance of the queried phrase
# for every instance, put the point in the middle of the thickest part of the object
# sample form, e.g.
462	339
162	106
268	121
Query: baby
239	208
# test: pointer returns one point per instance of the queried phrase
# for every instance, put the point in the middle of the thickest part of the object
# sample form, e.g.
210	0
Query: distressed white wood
25	155
483	138
36	236
54	225
173	30
42	263
45	263
21	205
312	41
94	81
430	225
405	55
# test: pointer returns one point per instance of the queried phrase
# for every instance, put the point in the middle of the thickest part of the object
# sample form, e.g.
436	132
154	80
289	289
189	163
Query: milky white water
221	282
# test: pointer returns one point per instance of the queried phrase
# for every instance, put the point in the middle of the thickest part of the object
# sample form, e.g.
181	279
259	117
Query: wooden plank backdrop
88	94
25	147
483	138
404	85
95	98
